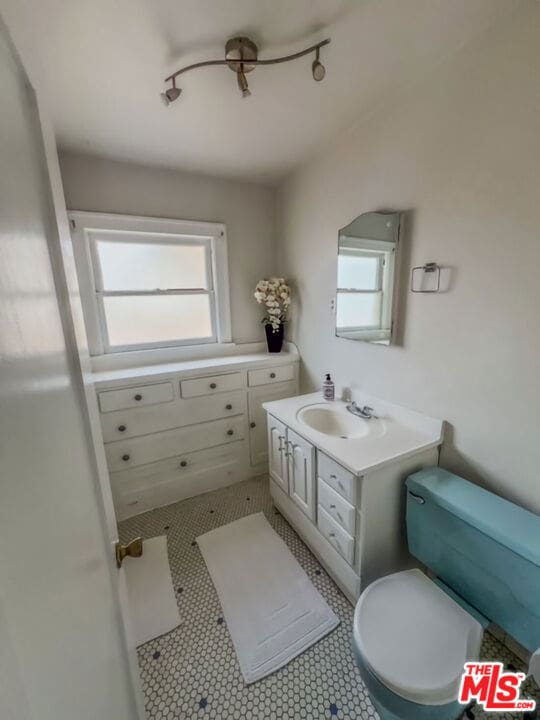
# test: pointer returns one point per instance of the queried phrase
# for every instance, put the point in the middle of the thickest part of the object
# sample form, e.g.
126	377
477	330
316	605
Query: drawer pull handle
228	406
333	477
213	386
121	428
137	397
183	463
125	457
332	507
230	432
252	425
272	375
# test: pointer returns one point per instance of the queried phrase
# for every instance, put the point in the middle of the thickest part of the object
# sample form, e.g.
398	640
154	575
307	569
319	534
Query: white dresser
177	430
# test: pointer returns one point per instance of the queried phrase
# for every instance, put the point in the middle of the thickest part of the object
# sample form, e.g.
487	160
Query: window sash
143	239
354	328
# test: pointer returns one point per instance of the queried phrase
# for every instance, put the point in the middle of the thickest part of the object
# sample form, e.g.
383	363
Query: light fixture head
317	68
170	95
243	84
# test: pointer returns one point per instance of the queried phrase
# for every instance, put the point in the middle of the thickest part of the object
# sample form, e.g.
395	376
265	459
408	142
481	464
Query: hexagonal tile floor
192	672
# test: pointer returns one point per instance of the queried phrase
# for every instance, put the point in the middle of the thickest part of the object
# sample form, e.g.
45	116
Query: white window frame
213	236
379	290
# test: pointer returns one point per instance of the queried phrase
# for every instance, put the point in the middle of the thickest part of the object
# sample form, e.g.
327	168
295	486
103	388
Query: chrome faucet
365	412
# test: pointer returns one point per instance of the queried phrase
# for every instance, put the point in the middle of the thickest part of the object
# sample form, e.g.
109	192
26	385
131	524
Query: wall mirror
366	277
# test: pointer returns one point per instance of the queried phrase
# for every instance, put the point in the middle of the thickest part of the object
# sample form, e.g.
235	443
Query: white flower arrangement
275	294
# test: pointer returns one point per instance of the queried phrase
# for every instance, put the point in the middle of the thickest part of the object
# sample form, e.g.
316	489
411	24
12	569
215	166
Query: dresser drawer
266	376
150	448
337	507
123	424
211	384
340	479
335	535
137	396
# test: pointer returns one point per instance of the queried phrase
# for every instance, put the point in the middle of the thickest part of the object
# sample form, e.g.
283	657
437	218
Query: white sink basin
337	421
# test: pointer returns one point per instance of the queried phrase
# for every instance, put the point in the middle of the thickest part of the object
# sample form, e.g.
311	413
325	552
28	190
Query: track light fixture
171	94
242	56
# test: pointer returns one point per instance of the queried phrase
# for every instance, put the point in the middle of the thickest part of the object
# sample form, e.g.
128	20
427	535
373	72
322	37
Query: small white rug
152	602
272	610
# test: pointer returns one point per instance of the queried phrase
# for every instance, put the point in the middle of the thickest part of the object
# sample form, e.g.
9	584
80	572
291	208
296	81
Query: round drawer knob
213	386
230	432
228	406
332	534
183	463
252	425
272	375
125	457
137	397
121	428
332	507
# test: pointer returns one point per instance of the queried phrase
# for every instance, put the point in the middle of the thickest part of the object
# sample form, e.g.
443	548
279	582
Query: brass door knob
133	549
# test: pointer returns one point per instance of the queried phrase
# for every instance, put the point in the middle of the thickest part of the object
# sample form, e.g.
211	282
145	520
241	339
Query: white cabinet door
258	444
301	466
277	436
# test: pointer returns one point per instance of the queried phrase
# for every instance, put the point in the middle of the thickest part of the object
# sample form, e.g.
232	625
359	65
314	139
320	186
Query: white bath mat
272	610
152	602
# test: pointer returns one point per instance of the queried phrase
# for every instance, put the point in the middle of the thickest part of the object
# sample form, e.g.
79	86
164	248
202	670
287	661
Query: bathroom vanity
175	430
339	480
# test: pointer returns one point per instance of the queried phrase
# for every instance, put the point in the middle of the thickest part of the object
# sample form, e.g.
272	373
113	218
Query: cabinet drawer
148	486
211	384
265	376
123	424
137	396
337	507
335	535
343	481
150	448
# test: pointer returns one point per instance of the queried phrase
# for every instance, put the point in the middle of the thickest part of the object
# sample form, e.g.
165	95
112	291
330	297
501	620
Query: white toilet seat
415	638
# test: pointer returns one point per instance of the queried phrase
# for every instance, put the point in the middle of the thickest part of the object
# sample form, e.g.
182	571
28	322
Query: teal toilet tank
485	548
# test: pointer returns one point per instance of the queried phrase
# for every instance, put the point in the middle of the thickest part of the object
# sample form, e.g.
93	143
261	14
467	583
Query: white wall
248	210
461	154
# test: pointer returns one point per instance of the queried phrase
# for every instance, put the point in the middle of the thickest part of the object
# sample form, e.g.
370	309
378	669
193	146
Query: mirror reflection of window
365	282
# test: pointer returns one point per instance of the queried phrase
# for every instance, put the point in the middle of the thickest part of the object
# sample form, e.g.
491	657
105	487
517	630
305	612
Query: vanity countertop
189	368
404	432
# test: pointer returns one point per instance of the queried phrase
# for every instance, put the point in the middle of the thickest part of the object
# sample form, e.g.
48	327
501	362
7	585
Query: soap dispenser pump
328	388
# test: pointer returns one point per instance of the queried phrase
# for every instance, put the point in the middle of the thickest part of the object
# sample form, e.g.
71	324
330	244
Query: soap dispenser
328	388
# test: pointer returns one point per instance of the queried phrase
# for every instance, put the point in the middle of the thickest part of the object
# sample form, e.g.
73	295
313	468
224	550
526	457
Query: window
149	283
360	289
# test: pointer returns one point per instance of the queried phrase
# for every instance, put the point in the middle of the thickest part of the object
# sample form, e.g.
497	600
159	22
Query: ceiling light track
242	56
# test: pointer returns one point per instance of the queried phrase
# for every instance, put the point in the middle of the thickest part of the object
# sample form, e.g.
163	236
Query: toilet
413	633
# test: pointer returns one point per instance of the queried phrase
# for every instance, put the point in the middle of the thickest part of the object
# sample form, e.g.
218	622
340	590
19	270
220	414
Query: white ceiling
101	64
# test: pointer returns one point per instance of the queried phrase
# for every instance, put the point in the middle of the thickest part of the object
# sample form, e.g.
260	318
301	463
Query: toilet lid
414	637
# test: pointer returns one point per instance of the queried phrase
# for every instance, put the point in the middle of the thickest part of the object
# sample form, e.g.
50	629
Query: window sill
158	356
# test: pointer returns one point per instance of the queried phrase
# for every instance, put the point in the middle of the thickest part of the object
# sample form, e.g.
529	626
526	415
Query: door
277	436
301	457
258	444
64	651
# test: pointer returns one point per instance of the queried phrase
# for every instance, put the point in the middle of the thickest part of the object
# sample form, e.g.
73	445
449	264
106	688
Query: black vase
274	338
